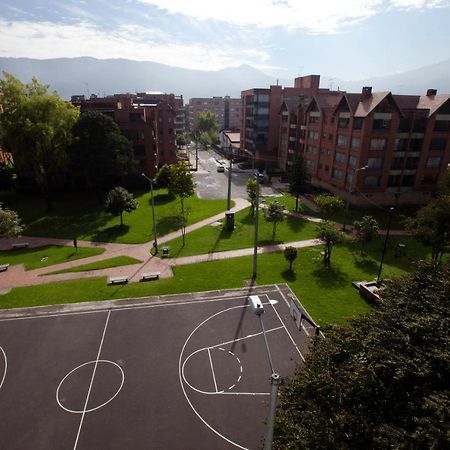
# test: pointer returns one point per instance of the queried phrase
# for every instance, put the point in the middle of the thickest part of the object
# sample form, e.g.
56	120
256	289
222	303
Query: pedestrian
75	244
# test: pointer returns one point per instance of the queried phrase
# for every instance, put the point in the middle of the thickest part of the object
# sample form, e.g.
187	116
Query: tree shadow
295	224
162	199
110	234
368	265
266	242
224	234
248	219
330	276
289	275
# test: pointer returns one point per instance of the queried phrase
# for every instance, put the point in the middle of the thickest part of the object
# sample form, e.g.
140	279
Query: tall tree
208	126
37	127
298	178
162	178
290	254
380	382
274	213
100	151
119	200
366	229
329	205
181	183
330	234
251	194
9	223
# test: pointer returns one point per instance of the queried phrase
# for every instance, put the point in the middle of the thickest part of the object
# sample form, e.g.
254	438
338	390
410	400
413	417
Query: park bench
118	280
18	245
4	267
149	276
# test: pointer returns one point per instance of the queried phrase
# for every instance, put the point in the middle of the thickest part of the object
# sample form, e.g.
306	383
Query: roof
366	106
233	136
406	101
432	102
353	101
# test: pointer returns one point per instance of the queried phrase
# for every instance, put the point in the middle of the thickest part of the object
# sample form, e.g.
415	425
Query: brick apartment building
227	110
150	121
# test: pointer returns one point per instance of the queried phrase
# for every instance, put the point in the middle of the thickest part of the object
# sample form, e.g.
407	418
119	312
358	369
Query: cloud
318	16
44	40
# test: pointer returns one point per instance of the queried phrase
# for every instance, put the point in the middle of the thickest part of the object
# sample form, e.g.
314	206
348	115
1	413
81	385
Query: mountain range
86	75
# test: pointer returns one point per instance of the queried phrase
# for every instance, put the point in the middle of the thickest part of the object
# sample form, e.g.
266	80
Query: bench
18	245
4	267
118	280
149	276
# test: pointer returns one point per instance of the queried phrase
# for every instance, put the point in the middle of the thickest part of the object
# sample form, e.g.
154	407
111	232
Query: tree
330	234
37	127
9	223
431	226
251	194
181	183
366	229
380	382
208	126
329	205
100	151
274	213
290	254
181	220
162	178
119	200
298	176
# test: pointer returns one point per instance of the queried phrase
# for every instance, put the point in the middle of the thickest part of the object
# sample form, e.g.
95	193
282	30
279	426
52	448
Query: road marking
212	369
6	366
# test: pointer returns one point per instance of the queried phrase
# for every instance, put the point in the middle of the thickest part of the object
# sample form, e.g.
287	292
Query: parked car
220	168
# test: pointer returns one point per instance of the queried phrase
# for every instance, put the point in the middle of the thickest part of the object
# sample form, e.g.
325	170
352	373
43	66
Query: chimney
431	92
366	92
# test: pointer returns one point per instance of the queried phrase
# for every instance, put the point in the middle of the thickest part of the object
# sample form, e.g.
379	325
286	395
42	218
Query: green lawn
215	239
104	264
78	215
326	293
33	258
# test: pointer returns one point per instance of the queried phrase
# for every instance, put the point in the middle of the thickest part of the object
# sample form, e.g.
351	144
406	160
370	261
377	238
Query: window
438	144
355	142
442	125
342	140
314	119
313	134
357	123
371	180
381	125
311	149
339	158
375	163
419	125
404	125
343	123
394	180
310	164
352	162
336	174
415	145
401	145
430	179
412	163
397	163
377	144
408	180
434	162
349	180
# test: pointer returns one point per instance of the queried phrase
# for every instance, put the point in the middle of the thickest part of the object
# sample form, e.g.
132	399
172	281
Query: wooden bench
118	280
149	276
4	267
18	245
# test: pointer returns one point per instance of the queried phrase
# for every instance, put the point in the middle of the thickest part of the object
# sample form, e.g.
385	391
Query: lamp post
255	248
391	213
347	205
229	184
155	240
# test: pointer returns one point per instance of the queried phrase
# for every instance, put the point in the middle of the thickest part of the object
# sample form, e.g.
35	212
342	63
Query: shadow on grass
368	265
248	220
110	234
161	199
330	276
289	275
295	224
267	242
166	225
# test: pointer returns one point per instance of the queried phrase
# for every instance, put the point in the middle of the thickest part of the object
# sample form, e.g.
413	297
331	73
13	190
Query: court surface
179	372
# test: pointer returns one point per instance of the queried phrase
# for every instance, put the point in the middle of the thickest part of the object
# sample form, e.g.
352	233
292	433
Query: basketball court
188	371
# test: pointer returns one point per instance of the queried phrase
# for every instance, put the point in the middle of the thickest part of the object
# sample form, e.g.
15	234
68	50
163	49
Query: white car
220	168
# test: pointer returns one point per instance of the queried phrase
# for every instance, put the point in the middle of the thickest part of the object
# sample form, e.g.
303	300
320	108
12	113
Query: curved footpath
17	276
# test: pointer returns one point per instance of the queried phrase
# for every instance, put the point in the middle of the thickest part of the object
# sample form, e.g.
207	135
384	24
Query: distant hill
85	75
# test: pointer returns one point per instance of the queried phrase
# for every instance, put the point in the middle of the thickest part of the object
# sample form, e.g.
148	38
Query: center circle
75	381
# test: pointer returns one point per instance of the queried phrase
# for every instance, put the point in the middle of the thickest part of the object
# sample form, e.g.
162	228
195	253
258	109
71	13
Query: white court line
212	370
6	367
287	331
92	381
242	338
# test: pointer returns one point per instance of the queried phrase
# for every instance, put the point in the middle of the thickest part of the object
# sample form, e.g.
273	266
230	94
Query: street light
155	241
255	247
391	213
347	206
229	184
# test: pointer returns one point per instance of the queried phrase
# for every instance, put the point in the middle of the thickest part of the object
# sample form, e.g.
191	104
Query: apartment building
148	120
388	149
227	110
229	142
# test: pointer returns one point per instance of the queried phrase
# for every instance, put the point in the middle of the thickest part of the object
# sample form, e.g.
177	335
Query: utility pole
391	213
155	240
255	249
229	184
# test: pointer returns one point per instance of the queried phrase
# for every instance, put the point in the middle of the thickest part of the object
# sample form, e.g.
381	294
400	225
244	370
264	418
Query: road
213	184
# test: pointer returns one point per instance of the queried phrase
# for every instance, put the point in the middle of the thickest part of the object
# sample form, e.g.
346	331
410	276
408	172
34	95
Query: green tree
274	213
162	178
181	183
329	205
100	151
37	127
181	220
380	382
366	230
290	254
208	126
298	177
9	223
330	234
251	194
431	226
119	200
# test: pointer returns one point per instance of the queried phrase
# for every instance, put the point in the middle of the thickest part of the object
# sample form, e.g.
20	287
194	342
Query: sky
347	39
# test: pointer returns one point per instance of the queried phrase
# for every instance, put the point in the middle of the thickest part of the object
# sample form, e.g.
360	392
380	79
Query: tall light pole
347	205
391	213
155	240
255	249
229	184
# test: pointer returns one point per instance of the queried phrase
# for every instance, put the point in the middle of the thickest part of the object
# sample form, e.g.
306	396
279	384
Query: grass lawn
104	264
36	257
381	215
78	215
326	293
215	239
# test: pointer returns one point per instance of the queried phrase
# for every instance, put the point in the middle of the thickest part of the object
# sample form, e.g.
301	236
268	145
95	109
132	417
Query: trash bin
229	220
165	251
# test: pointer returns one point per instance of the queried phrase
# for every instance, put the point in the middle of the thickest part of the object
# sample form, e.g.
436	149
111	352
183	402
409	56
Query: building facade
229	142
